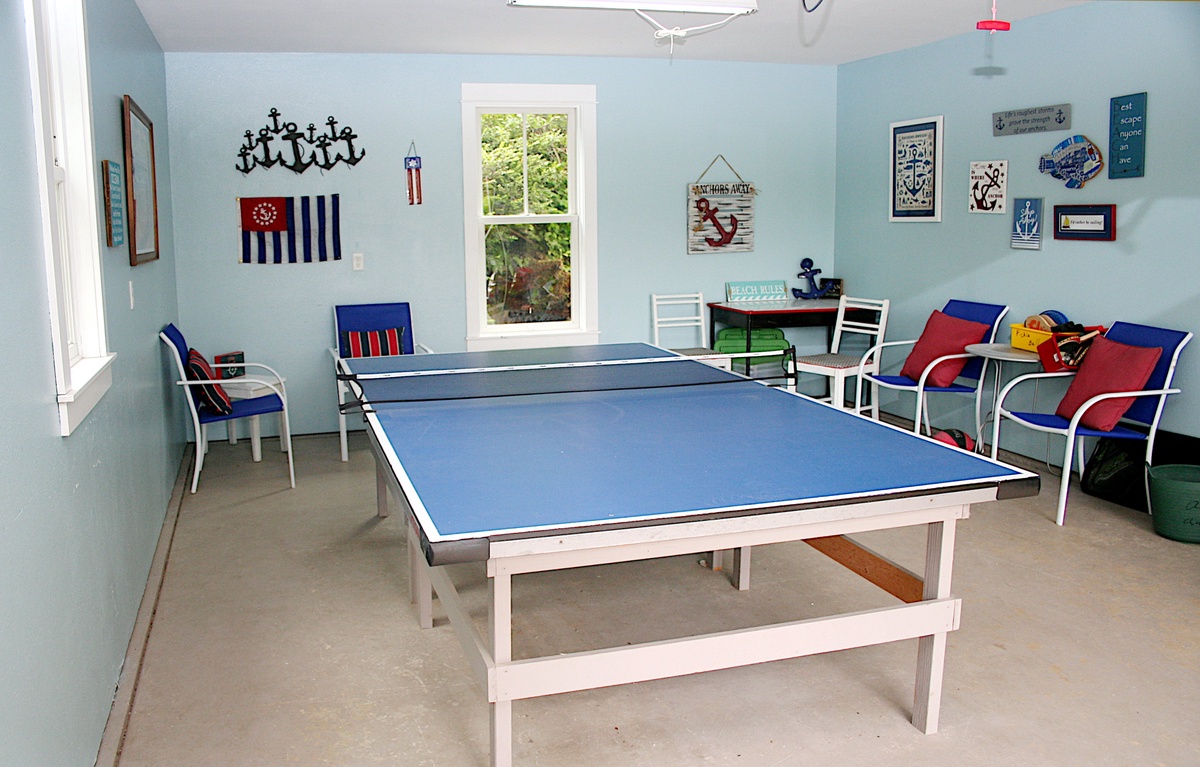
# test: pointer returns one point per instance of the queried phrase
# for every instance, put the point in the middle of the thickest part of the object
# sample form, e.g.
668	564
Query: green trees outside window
527	211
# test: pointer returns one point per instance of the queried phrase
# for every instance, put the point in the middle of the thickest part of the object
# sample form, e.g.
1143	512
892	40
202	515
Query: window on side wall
529	160
62	111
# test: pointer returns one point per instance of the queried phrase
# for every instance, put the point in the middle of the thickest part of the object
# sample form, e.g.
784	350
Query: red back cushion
373	343
943	335
1108	367
212	396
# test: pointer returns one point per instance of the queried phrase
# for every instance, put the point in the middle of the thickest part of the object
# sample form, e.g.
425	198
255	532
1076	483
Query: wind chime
412	166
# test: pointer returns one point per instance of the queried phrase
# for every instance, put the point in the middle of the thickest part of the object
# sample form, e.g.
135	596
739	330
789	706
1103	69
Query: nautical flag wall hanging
290	230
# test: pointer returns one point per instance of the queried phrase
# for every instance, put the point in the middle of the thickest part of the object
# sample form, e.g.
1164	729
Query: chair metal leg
285	438
255	439
1066	481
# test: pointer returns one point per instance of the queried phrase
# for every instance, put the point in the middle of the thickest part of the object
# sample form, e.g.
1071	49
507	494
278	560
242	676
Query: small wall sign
720	218
762	290
989	186
1127	136
1016	122
1085	222
114	203
1027	223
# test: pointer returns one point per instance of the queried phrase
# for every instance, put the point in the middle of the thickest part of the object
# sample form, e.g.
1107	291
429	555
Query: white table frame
999	354
927	613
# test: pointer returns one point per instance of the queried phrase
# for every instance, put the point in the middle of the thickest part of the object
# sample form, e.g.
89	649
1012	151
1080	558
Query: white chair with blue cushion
938	362
1123	382
368	330
208	402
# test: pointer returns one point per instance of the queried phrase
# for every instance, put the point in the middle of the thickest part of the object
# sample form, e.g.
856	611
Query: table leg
931	650
500	631
381	490
420	590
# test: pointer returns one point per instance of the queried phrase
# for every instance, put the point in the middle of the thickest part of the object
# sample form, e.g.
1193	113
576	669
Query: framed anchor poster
916	177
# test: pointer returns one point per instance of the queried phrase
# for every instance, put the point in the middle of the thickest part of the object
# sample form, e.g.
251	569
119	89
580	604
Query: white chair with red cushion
1125	378
209	403
368	330
938	362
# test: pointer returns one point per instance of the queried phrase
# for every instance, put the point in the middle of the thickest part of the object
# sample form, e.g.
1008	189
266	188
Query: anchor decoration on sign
720	215
412	168
808	273
306	148
708	212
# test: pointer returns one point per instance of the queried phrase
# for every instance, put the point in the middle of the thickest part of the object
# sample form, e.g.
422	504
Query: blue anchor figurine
811	275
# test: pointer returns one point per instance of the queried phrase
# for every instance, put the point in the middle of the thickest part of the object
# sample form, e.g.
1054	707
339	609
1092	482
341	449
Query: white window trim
580	102
62	112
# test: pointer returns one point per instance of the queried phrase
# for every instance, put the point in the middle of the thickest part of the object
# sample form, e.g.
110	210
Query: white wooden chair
837	365
680	310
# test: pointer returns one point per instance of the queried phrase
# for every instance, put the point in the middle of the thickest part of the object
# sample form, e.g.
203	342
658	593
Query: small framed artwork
916	177
114	203
1085	222
141	188
989	186
1027	223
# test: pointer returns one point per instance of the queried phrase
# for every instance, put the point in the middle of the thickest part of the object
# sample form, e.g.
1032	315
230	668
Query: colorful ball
955	438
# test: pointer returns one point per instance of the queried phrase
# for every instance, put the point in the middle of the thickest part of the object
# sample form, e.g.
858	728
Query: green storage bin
1175	501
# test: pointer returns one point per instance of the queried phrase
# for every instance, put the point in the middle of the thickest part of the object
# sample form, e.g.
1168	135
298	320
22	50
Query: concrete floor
283	635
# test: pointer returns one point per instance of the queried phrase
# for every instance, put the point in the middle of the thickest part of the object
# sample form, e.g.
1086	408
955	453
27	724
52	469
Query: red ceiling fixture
993	25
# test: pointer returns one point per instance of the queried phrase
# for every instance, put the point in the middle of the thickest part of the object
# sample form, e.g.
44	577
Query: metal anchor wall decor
720	216
298	150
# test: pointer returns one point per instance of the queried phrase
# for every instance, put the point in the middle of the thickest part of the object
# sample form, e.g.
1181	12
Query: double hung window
529	159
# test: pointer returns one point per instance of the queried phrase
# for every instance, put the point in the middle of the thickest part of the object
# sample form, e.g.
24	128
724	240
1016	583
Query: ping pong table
547	459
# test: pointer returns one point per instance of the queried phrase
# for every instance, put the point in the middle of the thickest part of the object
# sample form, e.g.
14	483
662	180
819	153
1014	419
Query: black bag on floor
1116	472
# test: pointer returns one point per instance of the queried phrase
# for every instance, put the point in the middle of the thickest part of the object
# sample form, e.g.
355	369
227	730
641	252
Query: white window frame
56	34
579	103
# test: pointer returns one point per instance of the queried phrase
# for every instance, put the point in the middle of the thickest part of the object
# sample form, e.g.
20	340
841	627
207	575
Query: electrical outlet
358	262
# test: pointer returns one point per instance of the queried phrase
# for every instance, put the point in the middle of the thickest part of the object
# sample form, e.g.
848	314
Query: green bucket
1175	501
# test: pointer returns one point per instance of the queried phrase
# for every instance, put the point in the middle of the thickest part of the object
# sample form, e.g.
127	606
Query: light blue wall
80	516
660	124
1082	56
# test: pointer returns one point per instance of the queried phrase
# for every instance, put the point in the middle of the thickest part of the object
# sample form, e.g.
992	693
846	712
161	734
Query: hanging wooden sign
720	217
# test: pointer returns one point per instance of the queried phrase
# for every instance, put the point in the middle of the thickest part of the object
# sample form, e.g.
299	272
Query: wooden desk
795	313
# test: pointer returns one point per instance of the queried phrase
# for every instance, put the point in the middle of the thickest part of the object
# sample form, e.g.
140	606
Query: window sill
528	340
92	377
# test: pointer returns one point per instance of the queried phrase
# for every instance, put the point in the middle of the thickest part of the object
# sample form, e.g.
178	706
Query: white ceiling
837	32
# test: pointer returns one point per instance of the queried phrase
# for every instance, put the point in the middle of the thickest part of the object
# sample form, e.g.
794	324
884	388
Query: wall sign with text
1085	222
1127	136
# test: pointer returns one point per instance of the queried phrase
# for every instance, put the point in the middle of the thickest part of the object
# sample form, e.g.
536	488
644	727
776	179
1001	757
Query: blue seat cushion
243	408
1054	421
904	382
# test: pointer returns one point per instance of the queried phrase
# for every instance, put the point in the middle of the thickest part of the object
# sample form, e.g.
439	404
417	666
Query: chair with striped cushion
368	330
866	317
208	402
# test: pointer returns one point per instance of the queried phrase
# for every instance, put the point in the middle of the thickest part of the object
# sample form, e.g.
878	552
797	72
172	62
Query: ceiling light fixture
731	9
726	7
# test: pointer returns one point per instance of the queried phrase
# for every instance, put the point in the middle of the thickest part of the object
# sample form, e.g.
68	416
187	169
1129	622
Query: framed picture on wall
141	188
916	177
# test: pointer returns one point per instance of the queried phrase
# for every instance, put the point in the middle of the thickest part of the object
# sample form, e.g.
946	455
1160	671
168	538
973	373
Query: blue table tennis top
509	466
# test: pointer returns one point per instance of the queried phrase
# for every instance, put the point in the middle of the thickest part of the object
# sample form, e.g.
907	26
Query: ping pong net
377	388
